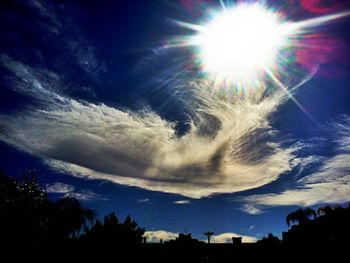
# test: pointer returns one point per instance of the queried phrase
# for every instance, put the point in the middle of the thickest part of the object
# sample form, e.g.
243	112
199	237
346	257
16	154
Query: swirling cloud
229	147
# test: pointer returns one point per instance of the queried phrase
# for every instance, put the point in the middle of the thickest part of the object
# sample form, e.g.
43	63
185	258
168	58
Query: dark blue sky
67	64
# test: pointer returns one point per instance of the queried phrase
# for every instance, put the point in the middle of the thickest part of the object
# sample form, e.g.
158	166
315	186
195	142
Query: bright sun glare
247	46
240	42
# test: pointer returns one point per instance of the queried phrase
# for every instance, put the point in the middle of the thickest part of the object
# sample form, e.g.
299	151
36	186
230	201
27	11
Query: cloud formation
69	190
144	201
250	209
329	184
59	188
182	202
229	147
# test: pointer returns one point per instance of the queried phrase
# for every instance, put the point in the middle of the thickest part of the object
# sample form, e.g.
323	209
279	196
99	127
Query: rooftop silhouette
30	222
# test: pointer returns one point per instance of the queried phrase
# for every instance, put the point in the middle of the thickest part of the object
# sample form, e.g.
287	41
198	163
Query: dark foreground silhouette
35	229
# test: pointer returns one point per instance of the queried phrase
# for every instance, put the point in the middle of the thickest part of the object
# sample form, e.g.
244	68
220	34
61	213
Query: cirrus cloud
69	190
250	209
96	141
330	183
59	188
182	202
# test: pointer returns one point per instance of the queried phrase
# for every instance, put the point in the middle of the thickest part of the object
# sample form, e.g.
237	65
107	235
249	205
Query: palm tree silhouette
301	216
208	234
71	216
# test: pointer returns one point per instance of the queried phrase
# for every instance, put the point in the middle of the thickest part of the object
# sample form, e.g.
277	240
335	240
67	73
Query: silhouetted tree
301	216
270	240
111	231
28	217
208	234
22	205
329	228
328	210
68	217
324	210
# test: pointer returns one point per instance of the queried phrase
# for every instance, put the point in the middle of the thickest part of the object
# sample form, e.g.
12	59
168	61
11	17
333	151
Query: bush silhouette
28	219
302	216
330	227
112	232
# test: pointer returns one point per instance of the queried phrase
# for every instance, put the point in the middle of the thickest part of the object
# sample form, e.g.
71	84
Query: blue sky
93	96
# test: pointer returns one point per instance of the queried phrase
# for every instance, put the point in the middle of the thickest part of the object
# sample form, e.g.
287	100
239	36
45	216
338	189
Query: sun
240	43
248	50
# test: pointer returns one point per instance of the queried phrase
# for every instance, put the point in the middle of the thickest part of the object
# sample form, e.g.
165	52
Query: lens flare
248	51
239	43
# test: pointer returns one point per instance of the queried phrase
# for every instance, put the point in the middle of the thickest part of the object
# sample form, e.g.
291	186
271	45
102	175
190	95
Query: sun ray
244	46
187	25
289	94
301	26
223	5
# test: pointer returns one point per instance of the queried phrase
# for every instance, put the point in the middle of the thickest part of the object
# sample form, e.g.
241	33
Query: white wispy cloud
329	184
217	155
87	195
69	190
156	236
182	202
59	188
250	209
143	200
